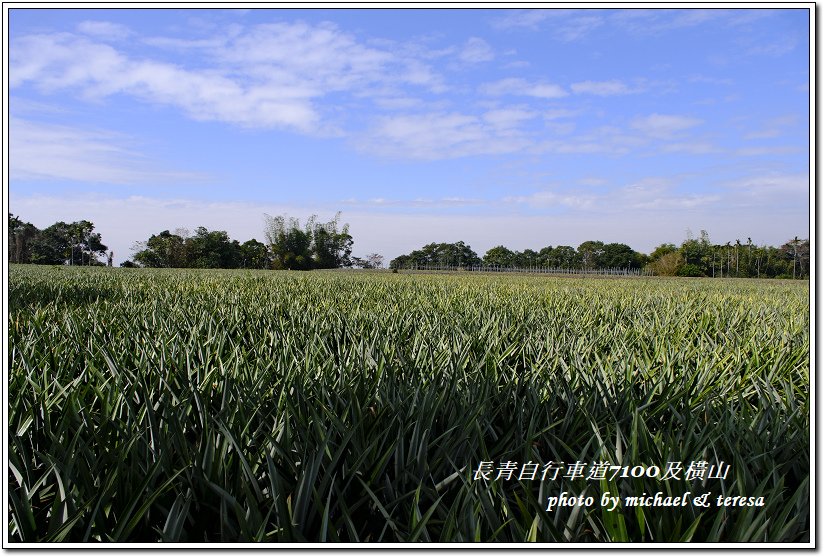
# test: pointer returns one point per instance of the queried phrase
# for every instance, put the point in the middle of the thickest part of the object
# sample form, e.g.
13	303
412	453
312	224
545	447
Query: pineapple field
150	405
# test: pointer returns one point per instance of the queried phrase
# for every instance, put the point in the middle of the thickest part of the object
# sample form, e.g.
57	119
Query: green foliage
662	250
590	253
457	254
163	250
689	270
317	246
254	255
206	249
618	255
73	243
499	256
206	406
21	235
667	265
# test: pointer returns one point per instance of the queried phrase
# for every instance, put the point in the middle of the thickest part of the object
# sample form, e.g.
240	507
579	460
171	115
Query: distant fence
609	271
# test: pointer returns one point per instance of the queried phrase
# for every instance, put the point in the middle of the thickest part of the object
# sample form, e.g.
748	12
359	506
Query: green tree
662	250
21	235
527	258
619	256
590	253
254	255
290	246
162	250
74	243
698	253
401	262
319	245
330	247
499	256
212	250
565	257
798	252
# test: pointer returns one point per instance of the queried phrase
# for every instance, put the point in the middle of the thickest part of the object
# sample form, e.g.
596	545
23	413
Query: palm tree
737	245
795	253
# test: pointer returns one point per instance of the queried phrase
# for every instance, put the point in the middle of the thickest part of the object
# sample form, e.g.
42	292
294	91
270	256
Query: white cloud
548	198
762	151
441	135
507	118
656	21
270	75
418	202
763	134
518	86
774	127
476	50
777	48
51	152
657	193
566	25
559	113
691	148
577	27
775	185
522	18
664	126
105	30
602	88
57	62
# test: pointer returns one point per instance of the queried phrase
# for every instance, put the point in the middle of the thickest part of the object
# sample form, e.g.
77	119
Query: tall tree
212	250
331	247
590	253
254	255
162	250
319	245
73	243
21	235
499	256
290	246
565	257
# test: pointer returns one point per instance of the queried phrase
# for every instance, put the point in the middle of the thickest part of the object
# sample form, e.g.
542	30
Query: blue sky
525	128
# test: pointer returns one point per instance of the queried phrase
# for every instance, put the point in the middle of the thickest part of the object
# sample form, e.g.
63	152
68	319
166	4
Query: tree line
698	257
589	255
61	243
317	245
328	245
693	258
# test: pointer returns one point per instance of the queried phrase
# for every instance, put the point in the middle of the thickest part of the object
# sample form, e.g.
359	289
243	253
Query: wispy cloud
691	148
566	25
574	24
548	198
105	30
416	203
476	50
664	126
775	48
522	19
774	127
442	135
51	152
766	151
270	75
779	188
517	86
603	88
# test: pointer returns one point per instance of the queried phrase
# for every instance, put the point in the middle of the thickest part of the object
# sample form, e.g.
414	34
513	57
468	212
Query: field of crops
162	405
